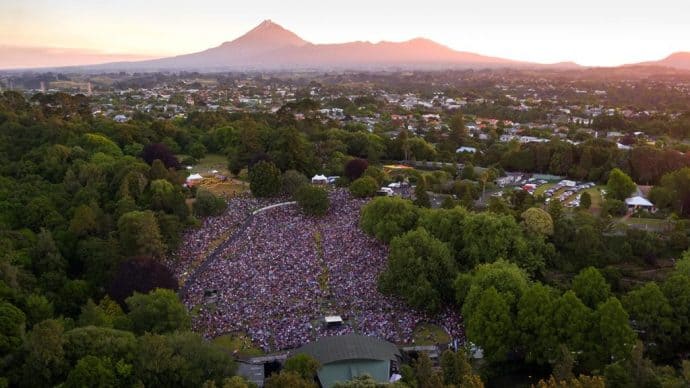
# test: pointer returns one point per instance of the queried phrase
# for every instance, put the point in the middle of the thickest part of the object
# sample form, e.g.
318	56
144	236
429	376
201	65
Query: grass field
238	343
427	334
210	182
597	201
212	162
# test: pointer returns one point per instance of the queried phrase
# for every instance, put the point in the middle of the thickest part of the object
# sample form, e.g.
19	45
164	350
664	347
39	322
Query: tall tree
619	185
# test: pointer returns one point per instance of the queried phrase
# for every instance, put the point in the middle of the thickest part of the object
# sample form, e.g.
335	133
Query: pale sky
590	32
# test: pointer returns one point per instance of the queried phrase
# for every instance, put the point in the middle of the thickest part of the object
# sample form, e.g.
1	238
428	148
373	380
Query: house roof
350	347
638	201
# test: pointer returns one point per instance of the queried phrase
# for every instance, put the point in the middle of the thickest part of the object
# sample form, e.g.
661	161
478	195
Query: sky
589	32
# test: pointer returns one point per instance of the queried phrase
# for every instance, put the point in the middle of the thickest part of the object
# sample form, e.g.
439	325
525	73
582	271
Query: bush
264	179
207	204
364	187
292	180
585	200
614	208
313	200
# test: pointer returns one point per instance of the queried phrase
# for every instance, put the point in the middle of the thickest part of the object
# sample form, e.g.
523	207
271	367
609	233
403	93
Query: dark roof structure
350	347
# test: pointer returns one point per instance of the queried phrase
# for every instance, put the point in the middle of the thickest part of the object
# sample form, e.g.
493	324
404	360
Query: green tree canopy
313	200
159	311
591	287
264	179
420	269
363	187
388	217
140	235
620	185
537	221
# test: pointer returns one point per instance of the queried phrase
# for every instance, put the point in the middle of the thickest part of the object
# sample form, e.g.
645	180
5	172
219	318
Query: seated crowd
268	281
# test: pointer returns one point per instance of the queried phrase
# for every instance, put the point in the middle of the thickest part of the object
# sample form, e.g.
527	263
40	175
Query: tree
302	364
538	221
313	200
180	360
208	204
158	170
614	337
38	308
676	288
420	269
579	382
571	322
585	200
292	180
456	369
614	208
92	371
355	168
388	217
488	237
264	179
161	152
140	274
12	325
619	185
140	235
446	225
591	287
288	379
652	315
424	372
534	323
159	311
506	278
421	196
364	187
44	363
491	326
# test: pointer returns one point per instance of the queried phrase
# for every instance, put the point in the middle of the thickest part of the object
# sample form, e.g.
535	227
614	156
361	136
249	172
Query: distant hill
680	60
271	47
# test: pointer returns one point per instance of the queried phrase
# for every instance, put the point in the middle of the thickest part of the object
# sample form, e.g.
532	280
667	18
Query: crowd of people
198	242
283	272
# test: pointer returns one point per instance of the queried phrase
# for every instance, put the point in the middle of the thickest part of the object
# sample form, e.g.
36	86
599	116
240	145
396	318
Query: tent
319	180
194	179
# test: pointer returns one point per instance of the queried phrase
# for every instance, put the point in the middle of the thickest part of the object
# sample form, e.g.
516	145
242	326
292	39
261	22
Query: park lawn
597	201
212	162
228	188
238	343
428	334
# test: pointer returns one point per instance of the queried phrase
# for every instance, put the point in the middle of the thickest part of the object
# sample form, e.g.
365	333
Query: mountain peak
269	33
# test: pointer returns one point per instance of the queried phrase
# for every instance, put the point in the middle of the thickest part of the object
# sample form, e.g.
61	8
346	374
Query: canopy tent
319	180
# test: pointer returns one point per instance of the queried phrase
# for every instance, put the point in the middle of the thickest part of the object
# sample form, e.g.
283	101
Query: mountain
680	60
271	47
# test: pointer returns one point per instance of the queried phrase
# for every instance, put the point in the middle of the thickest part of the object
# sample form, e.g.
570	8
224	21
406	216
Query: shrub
292	180
313	200
364	187
208	204
264	179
